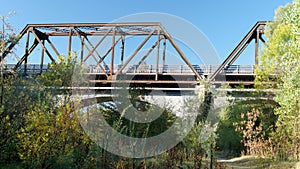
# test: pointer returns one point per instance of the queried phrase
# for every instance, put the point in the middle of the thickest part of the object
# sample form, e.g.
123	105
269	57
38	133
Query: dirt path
252	162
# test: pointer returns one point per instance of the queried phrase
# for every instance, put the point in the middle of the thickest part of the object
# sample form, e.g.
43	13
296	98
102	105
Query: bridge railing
148	69
184	69
30	68
240	69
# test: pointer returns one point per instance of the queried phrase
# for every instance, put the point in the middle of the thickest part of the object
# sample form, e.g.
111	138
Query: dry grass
252	162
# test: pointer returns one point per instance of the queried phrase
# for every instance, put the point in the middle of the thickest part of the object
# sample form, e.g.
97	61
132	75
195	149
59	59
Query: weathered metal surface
42	34
254	33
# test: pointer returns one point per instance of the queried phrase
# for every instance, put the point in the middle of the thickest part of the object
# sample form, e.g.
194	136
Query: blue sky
224	22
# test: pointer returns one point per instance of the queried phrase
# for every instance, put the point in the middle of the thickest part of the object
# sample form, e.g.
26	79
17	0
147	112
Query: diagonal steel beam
91	44
33	46
53	47
100	66
246	38
78	33
98	44
135	52
33	31
168	36
82	41
14	42
109	50
262	39
240	51
147	54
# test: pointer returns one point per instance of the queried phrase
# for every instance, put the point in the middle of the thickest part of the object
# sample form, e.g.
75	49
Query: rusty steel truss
42	34
255	33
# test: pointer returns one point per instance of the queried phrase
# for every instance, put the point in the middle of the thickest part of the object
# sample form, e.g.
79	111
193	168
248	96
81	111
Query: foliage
229	139
52	136
37	129
17	101
252	132
42	132
7	34
61	73
279	63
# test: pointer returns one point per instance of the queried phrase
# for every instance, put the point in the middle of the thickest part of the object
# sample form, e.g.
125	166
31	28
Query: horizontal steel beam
95	24
95	33
145	81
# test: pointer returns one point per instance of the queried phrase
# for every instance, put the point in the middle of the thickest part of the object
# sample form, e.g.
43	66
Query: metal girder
44	33
39	36
255	33
135	52
34	45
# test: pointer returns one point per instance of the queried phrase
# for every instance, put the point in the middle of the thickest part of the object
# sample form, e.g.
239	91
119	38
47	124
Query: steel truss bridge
114	61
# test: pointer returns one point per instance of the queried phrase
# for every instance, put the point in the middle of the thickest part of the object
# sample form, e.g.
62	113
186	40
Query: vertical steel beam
157	55
82	49
122	48
112	54
42	58
70	41
135	52
26	51
257	47
164	54
108	51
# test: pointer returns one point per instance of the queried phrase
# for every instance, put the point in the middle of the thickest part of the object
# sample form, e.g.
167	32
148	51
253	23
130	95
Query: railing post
181	68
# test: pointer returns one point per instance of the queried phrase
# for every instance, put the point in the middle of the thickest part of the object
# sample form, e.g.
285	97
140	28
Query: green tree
280	63
7	36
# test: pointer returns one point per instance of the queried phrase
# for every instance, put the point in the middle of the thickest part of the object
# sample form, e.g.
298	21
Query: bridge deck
150	69
167	74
